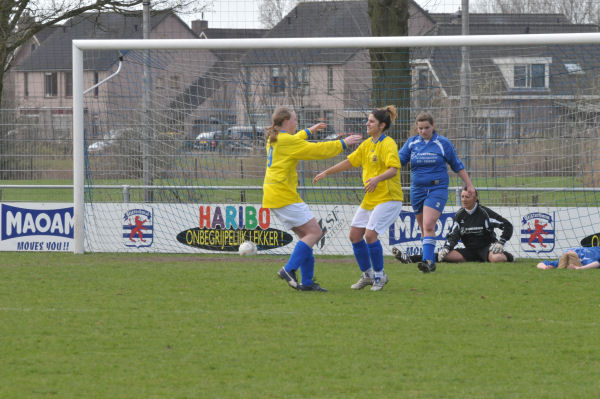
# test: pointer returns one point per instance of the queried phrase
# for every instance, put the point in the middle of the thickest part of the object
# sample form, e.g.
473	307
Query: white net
188	155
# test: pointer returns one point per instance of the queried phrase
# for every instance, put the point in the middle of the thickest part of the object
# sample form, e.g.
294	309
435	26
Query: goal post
197	79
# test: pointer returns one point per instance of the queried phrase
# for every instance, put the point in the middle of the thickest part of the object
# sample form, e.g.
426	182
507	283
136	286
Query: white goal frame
78	46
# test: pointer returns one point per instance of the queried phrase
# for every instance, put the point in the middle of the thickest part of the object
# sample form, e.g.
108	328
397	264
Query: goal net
173	151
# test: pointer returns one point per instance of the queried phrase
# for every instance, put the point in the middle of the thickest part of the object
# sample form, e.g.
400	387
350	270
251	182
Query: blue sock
307	269
299	256
376	255
429	249
361	253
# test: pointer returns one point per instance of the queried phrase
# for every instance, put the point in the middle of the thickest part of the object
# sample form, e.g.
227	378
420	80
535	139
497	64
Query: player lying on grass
580	258
474	225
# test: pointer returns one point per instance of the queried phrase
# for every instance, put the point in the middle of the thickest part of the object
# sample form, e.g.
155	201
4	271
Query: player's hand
317	127
353	139
371	184
442	253
319	176
496	248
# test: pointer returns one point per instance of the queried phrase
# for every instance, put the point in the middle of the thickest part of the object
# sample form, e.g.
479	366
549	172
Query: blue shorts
434	197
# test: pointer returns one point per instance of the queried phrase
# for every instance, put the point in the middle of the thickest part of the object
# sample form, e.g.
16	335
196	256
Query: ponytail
385	115
280	115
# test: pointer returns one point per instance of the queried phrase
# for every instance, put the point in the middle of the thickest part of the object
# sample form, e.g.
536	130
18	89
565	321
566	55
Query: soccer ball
248	248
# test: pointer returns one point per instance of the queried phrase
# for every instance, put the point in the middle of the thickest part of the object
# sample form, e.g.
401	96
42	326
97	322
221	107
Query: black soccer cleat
426	266
289	277
313	287
400	255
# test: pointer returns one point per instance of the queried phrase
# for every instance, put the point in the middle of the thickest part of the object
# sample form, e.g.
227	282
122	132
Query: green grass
183	326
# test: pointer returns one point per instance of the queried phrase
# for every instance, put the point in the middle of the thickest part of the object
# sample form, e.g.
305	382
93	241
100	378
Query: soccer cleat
379	282
509	257
313	287
426	266
401	256
364	280
289	277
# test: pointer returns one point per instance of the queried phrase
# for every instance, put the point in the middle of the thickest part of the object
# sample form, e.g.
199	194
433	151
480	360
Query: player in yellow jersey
382	203
284	150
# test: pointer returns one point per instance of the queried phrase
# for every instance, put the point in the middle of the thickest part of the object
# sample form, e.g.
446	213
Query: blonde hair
385	115
280	115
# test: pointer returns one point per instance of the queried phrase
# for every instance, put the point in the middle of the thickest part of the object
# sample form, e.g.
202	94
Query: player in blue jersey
429	154
580	258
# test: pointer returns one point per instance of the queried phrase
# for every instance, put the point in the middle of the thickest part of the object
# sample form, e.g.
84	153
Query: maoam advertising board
36	227
190	228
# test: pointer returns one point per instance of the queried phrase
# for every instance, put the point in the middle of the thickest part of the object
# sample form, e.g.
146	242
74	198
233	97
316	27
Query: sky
244	13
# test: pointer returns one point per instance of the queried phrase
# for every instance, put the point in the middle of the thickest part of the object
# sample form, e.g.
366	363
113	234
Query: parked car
115	138
239	139
206	141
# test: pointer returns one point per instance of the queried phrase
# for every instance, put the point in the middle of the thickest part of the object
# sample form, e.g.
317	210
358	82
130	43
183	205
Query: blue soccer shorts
433	197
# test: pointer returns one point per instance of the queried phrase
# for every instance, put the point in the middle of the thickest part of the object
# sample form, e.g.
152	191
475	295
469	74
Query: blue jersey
586	255
428	160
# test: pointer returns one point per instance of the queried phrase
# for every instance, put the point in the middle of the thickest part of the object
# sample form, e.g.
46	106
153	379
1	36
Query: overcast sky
244	13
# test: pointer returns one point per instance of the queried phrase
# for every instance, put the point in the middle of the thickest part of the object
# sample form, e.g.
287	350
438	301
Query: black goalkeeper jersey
477	230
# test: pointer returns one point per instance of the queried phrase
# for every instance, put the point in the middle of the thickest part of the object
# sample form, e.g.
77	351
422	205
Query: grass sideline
191	326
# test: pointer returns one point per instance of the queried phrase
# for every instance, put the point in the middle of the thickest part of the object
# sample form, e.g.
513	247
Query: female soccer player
580	258
382	202
428	154
284	150
474	225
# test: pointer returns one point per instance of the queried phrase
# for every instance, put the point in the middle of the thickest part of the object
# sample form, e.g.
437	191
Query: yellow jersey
375	158
281	179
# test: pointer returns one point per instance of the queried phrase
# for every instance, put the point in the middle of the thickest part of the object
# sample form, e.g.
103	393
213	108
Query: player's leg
380	220
360	248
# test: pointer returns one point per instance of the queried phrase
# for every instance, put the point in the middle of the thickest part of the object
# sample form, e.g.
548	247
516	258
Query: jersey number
270	157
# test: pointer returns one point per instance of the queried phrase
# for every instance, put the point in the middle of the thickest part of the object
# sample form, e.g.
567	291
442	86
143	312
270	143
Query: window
494	124
26	84
96	91
302	81
68	84
160	82
530	76
329	79
277	80
174	82
525	72
51	84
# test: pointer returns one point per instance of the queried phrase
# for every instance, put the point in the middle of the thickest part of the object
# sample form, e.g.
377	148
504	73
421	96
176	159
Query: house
320	84
43	78
516	92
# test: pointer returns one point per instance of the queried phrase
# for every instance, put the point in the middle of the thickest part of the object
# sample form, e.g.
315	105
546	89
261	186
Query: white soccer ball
248	248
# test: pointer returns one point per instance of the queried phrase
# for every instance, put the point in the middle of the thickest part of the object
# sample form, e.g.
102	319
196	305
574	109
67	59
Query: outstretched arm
593	265
340	167
467	180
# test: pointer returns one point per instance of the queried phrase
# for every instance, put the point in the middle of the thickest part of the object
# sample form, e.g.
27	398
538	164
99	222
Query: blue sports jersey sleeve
451	157
429	160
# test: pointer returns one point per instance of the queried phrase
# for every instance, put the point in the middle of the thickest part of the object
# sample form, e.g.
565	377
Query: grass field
181	326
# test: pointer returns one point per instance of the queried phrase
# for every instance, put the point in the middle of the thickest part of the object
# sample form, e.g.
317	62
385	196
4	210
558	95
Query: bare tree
577	11
273	11
20	20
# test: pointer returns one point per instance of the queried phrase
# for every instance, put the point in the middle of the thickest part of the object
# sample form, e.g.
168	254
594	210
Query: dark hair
280	115
385	115
464	188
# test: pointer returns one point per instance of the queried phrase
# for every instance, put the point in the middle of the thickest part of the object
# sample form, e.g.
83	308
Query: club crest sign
138	228
537	232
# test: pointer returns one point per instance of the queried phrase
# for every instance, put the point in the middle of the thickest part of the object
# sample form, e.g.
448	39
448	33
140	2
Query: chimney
199	26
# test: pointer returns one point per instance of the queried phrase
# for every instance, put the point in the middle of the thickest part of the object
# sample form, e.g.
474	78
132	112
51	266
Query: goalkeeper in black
474	225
